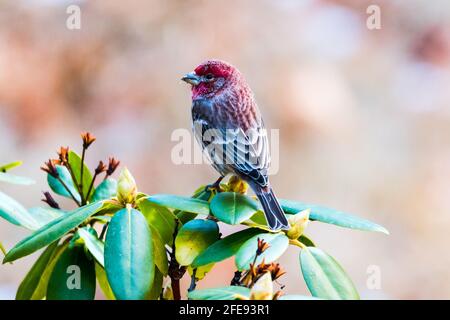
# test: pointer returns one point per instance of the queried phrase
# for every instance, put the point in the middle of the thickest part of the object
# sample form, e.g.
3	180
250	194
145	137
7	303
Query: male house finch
227	123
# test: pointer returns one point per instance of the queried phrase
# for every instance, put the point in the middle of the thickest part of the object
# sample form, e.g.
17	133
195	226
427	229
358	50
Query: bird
228	125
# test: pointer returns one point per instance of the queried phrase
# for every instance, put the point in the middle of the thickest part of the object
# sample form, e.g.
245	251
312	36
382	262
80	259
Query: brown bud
63	155
100	168
276	271
112	166
50	201
88	139
50	168
262	246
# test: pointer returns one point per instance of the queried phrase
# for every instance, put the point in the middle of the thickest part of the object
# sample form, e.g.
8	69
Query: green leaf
193	238
41	288
224	248
44	215
10	166
159	252
233	208
105	190
51	232
324	277
15	213
93	244
224	293
129	261
181	203
201	194
75	163
73	277
103	282
160	218
31	280
58	187
156	286
306	241
278	243
200	272
297	297
332	216
9	178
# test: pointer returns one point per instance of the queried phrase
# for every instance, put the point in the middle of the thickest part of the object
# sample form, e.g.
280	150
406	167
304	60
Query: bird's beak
191	78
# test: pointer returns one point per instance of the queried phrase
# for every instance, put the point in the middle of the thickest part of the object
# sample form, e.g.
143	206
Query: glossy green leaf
10	166
103	282
201	194
193	238
297	297
93	244
306	241
160	218
181	203
51	232
44	215
324	277
105	190
10	178
15	213
129	261
41	288
225	248
200	272
156	289
58	187
233	208
159	252
31	280
73	277
332	216
223	293
278	243
75	162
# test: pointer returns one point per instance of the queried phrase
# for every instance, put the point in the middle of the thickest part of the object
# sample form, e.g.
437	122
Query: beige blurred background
364	116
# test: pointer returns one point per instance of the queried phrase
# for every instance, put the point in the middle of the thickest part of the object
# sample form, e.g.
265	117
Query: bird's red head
210	78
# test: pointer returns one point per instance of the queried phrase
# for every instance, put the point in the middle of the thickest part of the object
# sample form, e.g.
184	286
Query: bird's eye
209	76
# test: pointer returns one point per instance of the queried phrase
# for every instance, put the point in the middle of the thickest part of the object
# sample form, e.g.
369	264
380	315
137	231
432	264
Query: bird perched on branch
227	123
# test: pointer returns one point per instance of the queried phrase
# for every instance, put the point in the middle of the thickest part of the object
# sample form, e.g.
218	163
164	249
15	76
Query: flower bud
236	184
263	288
298	223
126	187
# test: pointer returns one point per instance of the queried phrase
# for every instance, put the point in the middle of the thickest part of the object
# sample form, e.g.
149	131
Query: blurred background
364	115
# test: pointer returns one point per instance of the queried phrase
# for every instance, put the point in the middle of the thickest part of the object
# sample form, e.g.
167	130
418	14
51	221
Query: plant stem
81	175
175	289
91	186
68	190
176	272
193	281
297	243
102	234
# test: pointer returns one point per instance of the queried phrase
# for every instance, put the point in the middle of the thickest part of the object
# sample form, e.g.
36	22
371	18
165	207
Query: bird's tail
274	214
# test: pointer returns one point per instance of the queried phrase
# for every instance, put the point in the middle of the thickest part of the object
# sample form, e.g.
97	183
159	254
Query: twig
193	281
176	272
83	154
68	190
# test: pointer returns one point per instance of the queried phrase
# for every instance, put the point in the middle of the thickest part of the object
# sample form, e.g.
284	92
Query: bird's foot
215	186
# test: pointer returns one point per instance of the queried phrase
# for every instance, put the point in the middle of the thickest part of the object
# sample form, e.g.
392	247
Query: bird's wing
247	153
